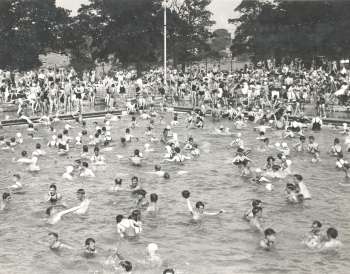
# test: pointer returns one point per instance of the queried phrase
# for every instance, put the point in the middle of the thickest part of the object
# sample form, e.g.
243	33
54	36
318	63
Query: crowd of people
266	100
48	91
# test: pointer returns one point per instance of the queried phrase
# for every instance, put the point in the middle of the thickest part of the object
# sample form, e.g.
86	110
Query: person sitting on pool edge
198	212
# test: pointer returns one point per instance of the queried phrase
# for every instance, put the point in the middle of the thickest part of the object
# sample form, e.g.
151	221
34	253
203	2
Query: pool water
223	244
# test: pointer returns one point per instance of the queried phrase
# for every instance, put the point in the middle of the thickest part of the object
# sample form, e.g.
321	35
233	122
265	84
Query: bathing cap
152	247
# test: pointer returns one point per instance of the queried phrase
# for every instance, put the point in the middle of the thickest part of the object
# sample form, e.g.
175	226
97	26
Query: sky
222	10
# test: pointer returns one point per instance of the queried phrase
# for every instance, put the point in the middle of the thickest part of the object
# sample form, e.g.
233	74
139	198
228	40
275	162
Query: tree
27	29
220	42
302	29
189	33
131	30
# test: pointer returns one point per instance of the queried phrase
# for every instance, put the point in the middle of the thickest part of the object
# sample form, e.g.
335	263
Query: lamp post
165	33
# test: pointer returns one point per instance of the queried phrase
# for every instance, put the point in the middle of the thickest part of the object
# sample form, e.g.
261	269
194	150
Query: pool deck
98	114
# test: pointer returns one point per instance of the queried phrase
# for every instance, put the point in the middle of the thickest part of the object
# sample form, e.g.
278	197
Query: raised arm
189	205
213	213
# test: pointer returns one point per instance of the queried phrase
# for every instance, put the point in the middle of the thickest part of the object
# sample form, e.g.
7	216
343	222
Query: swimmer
136	216
254	221
153	259
259	178
62	145
117	185
6	198
284	149
313	149
169	271
332	243
245	169
269	241
120	264
55	243
135	185
68	175
53	197
90	247
314	237
126	227
78	139
86	171
128	137
189	143
148	148
336	149
240	157
178	157
85	153
238	142
222	130
157	171
175	121
38	151
84	202
18	185
53	141
13	142
195	152
24	159
293	194
300	146
137	158
19	138
345	129
97	159
133	122
255	204
153	205
55	217
298	181
342	164
141	201
198	212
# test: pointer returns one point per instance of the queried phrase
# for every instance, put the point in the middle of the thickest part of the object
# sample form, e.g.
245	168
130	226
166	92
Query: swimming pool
224	244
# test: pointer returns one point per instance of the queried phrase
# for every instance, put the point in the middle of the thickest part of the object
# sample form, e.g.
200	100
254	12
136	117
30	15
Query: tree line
292	29
129	32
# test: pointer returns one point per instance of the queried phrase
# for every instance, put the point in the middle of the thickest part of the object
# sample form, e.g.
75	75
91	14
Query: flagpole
165	33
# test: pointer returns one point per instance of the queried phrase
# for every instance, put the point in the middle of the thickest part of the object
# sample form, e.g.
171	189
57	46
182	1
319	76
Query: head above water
332	233
53	234
6	196
118	181
169	271
269	232
154	197
298	177
126	265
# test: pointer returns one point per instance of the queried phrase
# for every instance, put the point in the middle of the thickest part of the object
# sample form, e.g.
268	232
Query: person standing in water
198	212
